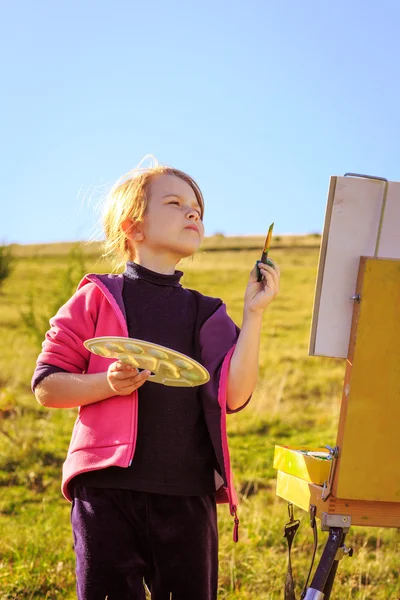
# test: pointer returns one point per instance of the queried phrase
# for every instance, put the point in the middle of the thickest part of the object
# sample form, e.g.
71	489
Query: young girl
147	463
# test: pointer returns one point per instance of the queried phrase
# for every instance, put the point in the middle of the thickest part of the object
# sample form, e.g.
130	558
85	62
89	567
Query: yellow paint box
309	468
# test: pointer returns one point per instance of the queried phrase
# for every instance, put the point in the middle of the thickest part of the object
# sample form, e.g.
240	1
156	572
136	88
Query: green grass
296	402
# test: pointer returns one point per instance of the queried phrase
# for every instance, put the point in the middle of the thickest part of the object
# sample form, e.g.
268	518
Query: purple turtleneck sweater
173	454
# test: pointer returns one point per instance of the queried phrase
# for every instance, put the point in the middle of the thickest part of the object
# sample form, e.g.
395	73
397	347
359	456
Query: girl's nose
193	214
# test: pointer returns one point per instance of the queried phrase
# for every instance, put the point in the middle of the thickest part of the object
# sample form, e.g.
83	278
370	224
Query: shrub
6	263
35	320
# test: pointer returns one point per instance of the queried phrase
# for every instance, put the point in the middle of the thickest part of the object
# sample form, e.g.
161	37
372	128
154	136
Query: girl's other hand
260	293
124	379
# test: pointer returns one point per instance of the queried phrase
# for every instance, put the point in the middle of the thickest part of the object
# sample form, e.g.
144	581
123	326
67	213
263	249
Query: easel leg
325	573
330	580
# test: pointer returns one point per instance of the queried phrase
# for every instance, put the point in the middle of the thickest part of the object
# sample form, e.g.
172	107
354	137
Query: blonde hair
128	199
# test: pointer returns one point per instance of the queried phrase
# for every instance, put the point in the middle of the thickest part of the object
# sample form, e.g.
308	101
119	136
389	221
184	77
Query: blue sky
260	101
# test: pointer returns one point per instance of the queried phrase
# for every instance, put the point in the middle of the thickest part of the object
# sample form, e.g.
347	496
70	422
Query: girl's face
172	223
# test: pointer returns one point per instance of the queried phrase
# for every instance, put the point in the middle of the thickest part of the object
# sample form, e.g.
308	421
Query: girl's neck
159	263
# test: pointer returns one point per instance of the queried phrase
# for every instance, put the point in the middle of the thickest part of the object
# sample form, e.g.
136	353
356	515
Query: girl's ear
132	230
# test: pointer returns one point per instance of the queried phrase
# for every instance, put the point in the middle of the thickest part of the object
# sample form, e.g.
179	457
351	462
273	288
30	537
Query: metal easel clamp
342	521
343	551
326	488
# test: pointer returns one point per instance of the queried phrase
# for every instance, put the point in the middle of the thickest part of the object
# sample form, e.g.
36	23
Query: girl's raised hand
259	294
124	379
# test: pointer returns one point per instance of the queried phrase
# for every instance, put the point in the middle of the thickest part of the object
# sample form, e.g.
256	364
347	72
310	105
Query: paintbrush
264	255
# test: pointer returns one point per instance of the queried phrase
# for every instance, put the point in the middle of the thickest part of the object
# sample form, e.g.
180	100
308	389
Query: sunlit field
296	402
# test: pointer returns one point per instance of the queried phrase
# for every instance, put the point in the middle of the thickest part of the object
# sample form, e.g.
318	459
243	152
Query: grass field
296	402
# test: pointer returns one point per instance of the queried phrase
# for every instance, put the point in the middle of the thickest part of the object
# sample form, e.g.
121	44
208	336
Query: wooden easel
363	487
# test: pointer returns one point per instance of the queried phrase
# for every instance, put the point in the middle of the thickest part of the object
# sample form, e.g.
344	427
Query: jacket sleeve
74	323
218	335
42	371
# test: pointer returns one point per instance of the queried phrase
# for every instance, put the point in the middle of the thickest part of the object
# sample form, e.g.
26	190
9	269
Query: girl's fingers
270	272
274	271
121	367
270	280
276	268
271	269
125	382
135	381
143	375
125	373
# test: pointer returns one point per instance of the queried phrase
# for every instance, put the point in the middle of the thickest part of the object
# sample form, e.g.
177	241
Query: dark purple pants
123	537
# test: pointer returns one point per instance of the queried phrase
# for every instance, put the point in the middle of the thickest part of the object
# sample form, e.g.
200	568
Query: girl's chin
186	249
188	252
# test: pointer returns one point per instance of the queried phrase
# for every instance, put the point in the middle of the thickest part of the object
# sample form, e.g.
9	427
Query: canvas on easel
360	220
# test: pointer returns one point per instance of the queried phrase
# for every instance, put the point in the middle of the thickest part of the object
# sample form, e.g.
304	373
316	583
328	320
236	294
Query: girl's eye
178	204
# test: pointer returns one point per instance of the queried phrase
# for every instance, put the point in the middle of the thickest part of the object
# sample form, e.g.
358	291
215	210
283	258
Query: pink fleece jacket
105	432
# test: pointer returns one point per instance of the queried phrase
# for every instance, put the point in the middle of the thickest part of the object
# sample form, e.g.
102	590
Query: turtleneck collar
135	271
